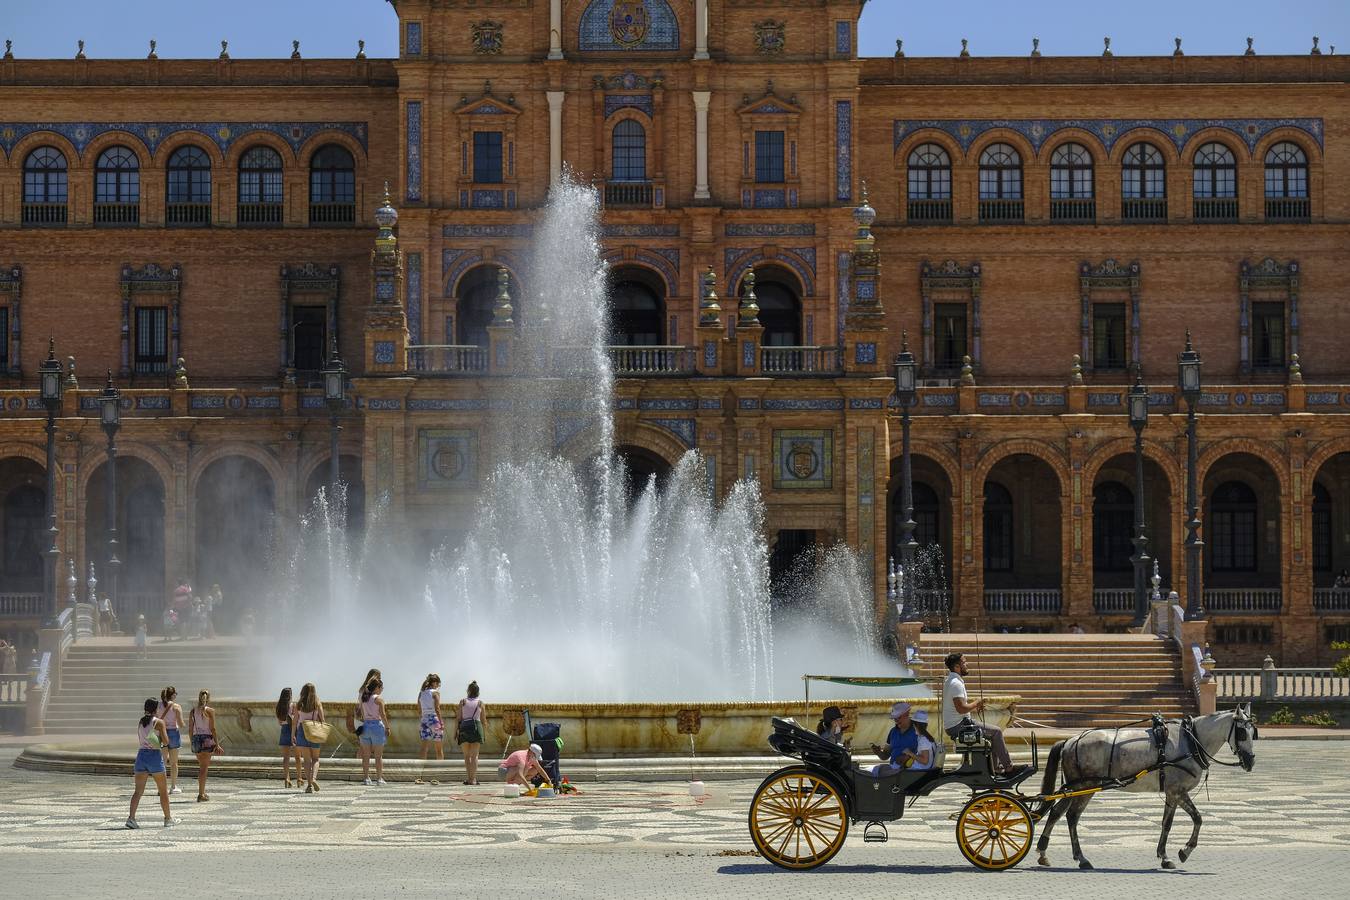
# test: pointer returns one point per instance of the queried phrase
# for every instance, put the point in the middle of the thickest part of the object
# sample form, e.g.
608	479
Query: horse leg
1169	812
1189	805
1043	844
1076	807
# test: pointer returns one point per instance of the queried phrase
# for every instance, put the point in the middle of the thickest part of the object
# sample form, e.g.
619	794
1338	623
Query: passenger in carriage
831	726
926	756
902	743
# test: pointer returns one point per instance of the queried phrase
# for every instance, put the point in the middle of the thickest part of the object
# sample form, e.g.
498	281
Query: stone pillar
701	99
700	29
555	29
555	124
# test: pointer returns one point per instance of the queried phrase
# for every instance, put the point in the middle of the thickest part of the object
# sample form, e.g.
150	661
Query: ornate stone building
1043	226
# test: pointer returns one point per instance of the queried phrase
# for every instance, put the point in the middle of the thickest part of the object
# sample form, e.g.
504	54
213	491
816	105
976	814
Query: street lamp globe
334	380
50	372
109	401
906	372
1138	403
1188	371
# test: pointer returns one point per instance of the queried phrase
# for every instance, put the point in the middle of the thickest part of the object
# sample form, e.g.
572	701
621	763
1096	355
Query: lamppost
334	384
1138	421
905	372
110	413
49	372
1188	373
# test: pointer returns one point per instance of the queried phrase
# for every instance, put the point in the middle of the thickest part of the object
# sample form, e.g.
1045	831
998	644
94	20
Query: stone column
700	29
701	99
555	29
555	110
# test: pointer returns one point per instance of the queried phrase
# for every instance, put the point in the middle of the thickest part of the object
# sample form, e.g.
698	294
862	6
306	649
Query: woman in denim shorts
285	709
374	730
307	709
172	715
151	736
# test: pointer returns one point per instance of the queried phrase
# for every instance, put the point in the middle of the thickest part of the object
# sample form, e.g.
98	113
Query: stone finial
152	54
965	47
1315	51
1295	370
1035	46
1177	51
79	54
967	372
748	312
1076	370
71	380
9	49
1156	580
180	378
709	309
360	49
224	49
501	309
1106	51
899	48
1250	51
295	49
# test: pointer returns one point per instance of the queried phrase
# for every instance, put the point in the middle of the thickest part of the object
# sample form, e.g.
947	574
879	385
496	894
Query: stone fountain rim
341	707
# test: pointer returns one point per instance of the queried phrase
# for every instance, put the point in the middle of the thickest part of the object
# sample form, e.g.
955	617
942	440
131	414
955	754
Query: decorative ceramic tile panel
843	150
412	45
447	458
628	26
152	134
803	459
1108	131
414	288
414	151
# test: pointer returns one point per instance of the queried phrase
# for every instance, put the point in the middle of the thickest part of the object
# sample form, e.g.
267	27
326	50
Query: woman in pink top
521	766
374	730
204	741
150	736
172	715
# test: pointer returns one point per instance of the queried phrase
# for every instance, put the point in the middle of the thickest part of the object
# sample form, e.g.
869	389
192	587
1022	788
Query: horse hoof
1168	864
1084	864
1042	860
1183	853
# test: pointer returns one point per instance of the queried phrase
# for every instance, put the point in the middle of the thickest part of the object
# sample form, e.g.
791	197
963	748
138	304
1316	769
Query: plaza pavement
1282	830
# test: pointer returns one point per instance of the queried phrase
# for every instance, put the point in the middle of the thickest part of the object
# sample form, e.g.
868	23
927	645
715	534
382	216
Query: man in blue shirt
902	743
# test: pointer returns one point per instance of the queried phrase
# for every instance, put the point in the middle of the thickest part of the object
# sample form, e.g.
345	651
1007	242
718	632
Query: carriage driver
956	705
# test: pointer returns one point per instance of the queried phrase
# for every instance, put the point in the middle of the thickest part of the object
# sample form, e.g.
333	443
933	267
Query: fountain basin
599	730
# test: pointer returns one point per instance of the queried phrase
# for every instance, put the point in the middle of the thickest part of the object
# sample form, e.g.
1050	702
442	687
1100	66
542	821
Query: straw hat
899	709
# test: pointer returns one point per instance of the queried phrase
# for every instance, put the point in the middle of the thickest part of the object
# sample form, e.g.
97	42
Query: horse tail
1052	768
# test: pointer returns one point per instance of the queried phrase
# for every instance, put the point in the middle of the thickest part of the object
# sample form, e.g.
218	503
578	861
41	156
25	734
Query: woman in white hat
925	757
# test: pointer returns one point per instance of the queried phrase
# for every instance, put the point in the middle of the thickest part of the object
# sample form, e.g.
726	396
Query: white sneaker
133	824
368	783
169	823
175	790
381	782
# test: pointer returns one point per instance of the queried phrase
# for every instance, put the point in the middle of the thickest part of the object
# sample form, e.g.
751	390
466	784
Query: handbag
469	731
316	732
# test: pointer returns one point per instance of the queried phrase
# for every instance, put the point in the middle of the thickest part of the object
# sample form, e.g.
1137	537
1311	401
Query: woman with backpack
171	714
307	709
471	724
362	750
150	736
202	720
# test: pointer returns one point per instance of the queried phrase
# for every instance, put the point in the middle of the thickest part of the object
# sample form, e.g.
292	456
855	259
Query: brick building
1028	210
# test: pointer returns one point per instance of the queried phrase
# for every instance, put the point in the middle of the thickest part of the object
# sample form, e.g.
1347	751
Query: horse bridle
1204	757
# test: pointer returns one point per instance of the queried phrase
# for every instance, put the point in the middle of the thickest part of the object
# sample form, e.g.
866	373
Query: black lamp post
110	417
1188	373
905	373
1138	421
334	385
49	372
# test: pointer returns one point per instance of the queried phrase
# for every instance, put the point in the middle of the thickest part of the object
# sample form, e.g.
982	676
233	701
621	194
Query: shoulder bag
316	732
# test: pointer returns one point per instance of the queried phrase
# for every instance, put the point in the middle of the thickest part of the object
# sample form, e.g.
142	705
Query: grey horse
1101	756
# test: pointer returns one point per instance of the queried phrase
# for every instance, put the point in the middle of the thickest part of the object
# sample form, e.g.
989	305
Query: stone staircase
103	683
1065	680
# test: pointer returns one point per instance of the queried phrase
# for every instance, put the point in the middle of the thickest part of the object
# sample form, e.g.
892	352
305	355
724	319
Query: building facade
1044	225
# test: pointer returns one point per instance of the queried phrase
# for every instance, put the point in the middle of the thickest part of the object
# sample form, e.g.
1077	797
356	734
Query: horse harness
1188	742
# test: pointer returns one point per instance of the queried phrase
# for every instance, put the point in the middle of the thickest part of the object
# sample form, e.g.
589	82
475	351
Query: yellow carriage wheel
797	819
994	831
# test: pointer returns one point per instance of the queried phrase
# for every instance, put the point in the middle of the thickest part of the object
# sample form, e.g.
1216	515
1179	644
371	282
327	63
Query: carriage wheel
797	819
994	831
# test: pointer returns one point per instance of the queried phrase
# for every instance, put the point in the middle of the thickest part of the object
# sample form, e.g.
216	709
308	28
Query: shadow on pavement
768	868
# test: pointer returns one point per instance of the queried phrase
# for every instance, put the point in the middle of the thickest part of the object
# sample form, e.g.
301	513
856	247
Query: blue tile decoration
803	459
794	404
152	134
709	403
770	229
522	230
1103	400
384	352
89	403
1047	399
710	354
615	102
384	404
939	400
676	404
1239	399
447	458
503	354
207	401
966	131
684	429
1214	398
448	258
413	44
864	353
633	231
414	152
154	401
488	199
1161	398
770	199
736	260
627	26
414	289
262	402
843	150
466	260
866	290
488	109
1271	398
843	38
625	403
1022	399
384	290
866	403
748	403
441	404
235	402
667	262
995	400
748	354
843	265
1323	398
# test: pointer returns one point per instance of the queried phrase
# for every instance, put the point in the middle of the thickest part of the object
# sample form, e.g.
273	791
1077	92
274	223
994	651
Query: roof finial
1107	50
79	54
899	48
965	47
9	49
1315	51
1177	52
295	49
1035	46
1250	51
360	49
224	49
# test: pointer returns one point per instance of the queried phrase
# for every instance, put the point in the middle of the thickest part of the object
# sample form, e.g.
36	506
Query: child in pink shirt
521	766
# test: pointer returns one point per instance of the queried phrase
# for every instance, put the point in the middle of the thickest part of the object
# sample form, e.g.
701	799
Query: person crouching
521	766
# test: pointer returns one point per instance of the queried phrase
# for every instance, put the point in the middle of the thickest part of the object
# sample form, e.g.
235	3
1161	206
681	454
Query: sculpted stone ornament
487	37
802	460
770	37
224	49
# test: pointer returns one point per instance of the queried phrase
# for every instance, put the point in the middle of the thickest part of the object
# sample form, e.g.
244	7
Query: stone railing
1022	600
651	360
22	605
1271	683
1331	599
1222	601
1109	601
800	360
131	605
13	689
447	359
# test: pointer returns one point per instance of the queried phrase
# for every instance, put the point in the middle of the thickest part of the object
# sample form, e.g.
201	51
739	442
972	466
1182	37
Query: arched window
1215	183
1071	184
1231	530
998	528
1287	182
117	187
1321	528
1000	184
260	187
1112	527
188	187
23	520
926	515
476	294
44	187
630	151
636	308
780	308
930	184
332	187
1143	184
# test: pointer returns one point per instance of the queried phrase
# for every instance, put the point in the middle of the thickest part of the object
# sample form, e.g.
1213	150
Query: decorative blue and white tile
967	131
1103	400
865	403
843	38
710	354
770	229
748	354
384	352
414	151
260	402
678	404
154	401
151	134
747	403
412	44
684	429
414	289
628	26
997	400
790	404
634	231
522	230
803	459
447	458
864	353
206	401
843	150
709	403
384	404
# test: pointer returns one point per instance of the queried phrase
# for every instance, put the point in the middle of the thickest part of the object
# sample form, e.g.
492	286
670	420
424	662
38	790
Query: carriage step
875	833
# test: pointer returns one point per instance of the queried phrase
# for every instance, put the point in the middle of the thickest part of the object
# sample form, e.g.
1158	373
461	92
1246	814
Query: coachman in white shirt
956	705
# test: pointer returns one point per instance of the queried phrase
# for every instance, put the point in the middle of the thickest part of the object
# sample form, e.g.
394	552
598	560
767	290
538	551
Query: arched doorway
1242	536
235	505
641	466
932	495
23	513
140	537
349	472
1113	532
637	307
779	295
474	298
1331	528
1021	528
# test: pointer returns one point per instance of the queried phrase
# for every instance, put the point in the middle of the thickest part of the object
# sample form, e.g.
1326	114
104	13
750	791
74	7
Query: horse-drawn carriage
800	815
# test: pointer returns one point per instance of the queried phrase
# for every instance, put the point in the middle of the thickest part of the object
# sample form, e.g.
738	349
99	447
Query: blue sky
194	28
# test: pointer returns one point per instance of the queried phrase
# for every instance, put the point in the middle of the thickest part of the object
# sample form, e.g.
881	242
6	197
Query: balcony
332	213
1335	600
800	360
447	359
1215	209
44	215
1288	209
929	212
1143	209
1112	601
117	215
631	194
1229	601
1023	600
1073	209
997	212
259	214
22	605
187	215
652	360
